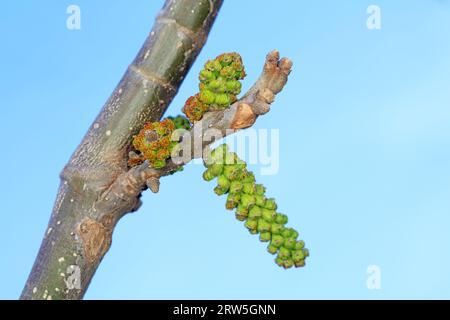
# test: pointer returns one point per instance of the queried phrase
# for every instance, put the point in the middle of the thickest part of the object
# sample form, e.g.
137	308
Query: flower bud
216	169
268	215
222	99
272	249
242	210
271	204
299	245
231	171
276	228
299	264
208	175
279	261
288	263
235	186
260	189
284	253
260	200
249	177
248	188
241	217
289	243
247	200
232	200
264	236
219	190
207	96
277	240
251	224
298	255
281	218
263	226
255	212
223	182
206	75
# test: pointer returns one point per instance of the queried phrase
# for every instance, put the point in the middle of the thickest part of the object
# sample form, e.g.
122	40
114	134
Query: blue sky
364	128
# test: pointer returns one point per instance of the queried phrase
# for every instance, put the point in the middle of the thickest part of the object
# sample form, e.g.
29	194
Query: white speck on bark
108	133
61	260
34	290
49	230
96	125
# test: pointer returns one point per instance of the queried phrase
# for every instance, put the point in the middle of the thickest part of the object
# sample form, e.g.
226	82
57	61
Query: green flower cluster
251	205
219	86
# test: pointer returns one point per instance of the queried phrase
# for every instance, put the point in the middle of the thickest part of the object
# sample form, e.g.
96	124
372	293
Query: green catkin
251	205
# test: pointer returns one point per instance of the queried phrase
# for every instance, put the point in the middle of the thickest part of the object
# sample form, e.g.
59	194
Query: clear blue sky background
364	135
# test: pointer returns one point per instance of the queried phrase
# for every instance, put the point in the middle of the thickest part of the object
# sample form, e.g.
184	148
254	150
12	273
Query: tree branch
242	114
82	221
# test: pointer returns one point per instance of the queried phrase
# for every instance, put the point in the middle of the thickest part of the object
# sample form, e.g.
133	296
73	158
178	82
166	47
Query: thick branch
80	228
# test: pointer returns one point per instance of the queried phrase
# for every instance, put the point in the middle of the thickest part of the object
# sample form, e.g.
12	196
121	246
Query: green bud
294	234
277	240
208	175
207	96
271	204
265	236
268	215
227	72
216	169
298	255
279	261
272	249
289	243
263	226
242	210
222	99
251	225
234	86
277	228
248	187
241	217
231	171
235	186
249	177
255	212
299	245
260	200
260	189
286	233
214	84
223	182
288	263
284	253
306	252
219	190
299	264
232	200
247	200
206	75
281	218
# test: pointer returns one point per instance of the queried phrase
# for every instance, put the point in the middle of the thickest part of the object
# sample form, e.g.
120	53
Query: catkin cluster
251	205
219	86
155	141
